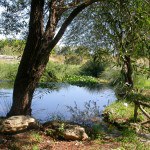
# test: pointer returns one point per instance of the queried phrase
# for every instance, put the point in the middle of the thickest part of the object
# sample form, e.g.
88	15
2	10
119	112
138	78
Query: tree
40	42
120	26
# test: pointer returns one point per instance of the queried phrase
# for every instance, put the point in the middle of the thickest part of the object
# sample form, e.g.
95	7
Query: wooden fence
140	105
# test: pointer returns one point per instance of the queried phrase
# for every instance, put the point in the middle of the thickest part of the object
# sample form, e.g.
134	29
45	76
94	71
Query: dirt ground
33	141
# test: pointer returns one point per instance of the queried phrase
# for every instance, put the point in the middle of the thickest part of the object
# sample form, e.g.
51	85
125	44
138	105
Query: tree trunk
28	73
128	71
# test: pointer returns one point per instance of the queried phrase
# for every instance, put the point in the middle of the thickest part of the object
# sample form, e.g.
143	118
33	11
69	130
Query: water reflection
51	100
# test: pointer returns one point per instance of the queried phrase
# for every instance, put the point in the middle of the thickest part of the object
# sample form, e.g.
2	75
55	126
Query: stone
66	130
16	124
75	132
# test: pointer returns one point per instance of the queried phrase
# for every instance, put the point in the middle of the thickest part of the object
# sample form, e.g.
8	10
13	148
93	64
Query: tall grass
54	71
8	70
142	82
58	72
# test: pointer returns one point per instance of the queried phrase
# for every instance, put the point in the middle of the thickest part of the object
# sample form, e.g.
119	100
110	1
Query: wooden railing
140	105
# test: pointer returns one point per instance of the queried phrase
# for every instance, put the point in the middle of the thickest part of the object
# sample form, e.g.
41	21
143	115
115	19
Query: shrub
92	68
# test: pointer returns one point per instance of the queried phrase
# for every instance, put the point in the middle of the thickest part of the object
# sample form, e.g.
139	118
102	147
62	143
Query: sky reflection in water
55	97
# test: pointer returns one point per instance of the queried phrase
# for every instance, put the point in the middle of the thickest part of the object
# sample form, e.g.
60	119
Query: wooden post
135	111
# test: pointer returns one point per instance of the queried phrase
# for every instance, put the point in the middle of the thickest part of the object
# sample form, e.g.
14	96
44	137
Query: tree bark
36	53
128	71
28	75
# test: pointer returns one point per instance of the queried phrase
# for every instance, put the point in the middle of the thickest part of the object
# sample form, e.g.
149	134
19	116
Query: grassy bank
55	72
74	74
120	112
134	135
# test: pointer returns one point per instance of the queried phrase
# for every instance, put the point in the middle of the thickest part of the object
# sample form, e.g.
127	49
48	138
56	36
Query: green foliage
95	131
50	132
92	68
8	71
36	136
111	74
11	47
136	95
81	80
81	51
61	128
35	147
122	112
129	140
115	78
2	44
73	60
129	135
66	50
54	72
142	82
98	62
57	72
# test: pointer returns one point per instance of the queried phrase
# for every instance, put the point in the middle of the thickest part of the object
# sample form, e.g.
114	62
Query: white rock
18	123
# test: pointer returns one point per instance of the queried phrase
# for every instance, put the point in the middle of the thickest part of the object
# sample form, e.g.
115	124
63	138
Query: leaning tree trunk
37	50
28	72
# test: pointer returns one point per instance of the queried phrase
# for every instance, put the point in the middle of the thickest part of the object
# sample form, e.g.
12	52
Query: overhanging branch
67	22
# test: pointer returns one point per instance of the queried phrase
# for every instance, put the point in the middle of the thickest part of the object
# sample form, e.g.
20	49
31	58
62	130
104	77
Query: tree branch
144	112
142	103
67	22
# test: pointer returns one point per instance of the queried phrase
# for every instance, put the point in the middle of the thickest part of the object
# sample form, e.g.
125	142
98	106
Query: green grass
122	112
8	70
57	72
130	141
36	136
142	82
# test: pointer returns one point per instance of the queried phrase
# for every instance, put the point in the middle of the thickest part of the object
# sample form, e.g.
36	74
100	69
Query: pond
52	100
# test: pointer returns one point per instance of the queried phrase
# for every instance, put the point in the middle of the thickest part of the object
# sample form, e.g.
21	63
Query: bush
92	68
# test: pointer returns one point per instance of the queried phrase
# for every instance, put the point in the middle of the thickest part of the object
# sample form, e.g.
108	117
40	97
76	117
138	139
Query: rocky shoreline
57	129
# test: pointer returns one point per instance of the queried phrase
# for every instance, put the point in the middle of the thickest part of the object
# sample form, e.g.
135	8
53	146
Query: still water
53	98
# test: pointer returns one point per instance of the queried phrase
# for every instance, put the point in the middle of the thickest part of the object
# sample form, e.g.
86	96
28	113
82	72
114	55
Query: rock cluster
65	130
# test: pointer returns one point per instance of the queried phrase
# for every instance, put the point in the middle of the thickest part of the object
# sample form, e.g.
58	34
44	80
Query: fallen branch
142	103
145	122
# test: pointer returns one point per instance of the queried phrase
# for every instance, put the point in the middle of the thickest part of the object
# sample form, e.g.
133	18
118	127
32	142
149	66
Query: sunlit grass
142	82
8	70
122	112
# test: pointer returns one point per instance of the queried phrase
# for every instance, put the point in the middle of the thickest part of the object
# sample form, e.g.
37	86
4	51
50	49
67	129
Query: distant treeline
11	46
